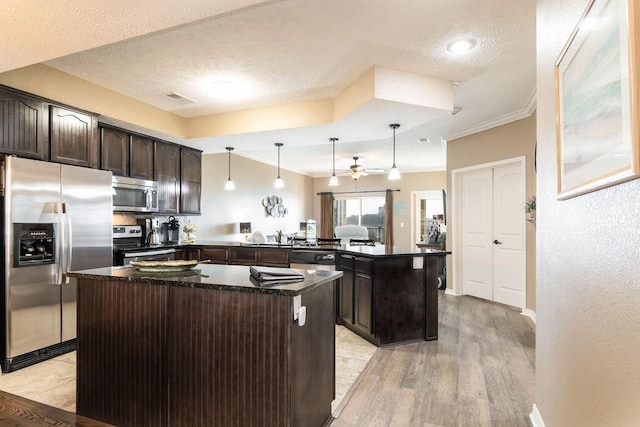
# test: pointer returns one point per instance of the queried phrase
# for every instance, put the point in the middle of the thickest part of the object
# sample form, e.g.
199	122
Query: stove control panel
126	231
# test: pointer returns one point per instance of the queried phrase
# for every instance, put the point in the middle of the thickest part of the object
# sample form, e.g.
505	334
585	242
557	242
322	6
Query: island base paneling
156	354
229	353
121	352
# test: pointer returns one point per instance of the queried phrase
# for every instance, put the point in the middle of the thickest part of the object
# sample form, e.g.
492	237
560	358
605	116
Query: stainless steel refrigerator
55	219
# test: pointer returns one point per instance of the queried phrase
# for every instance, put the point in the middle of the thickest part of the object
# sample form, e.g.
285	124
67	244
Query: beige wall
410	182
222	211
588	272
512	140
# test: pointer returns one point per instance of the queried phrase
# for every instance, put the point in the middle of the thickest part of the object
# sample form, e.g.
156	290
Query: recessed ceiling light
461	45
227	89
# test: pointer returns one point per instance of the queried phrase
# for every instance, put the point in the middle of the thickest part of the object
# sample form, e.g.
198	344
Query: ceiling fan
356	171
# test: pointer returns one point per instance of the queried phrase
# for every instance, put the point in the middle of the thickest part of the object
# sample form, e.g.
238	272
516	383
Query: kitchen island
204	347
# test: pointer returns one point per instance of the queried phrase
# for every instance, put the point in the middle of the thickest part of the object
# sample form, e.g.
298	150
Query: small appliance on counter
171	231
308	231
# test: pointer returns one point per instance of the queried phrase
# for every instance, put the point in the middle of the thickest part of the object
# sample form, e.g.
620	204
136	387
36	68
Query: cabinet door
115	151
190	181
180	254
273	257
194	254
216	255
141	157
363	299
243	256
345	296
74	139
167	173
24	126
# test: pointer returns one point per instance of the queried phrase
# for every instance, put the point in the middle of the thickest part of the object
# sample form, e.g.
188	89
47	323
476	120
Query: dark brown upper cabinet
115	151
141	157
74	137
190	180
24	126
167	173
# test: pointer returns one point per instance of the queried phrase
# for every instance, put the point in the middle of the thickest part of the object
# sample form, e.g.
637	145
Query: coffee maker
171	231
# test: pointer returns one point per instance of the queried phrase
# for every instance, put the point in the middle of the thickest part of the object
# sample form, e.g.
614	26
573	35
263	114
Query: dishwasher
313	259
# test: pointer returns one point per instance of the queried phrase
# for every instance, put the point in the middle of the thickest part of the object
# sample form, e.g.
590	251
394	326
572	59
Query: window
365	211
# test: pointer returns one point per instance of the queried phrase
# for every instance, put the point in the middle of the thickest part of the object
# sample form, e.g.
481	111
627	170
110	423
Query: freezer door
32	298
87	203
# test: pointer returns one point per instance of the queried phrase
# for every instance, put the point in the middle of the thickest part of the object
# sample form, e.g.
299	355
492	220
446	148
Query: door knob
497	242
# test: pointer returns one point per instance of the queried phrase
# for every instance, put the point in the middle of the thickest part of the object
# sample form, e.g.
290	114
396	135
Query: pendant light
394	173
229	186
279	183
333	181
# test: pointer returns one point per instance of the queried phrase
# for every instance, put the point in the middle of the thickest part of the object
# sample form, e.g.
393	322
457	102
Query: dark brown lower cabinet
389	299
158	355
363	303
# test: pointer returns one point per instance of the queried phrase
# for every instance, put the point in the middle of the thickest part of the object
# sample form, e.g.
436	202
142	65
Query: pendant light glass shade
394	173
279	183
333	181
229	186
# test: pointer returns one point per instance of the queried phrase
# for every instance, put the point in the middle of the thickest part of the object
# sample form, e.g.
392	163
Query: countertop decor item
597	99
189	228
164	266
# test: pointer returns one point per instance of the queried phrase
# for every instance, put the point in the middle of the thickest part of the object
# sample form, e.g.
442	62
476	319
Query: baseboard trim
451	292
529	313
535	417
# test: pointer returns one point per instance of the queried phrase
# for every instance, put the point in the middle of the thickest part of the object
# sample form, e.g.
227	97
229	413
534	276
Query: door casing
456	221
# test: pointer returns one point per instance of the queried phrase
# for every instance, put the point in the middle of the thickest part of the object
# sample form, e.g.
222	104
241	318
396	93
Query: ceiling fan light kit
333	181
279	183
229	186
394	173
356	170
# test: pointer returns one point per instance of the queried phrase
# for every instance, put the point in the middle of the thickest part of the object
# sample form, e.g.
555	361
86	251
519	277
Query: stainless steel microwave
134	195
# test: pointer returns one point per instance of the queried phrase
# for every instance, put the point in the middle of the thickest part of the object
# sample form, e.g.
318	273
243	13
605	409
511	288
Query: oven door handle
149	253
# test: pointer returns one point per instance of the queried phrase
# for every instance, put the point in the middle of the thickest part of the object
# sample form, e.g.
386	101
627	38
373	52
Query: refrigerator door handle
57	209
67	243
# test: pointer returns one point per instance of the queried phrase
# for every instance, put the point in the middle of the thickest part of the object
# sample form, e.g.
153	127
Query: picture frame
596	77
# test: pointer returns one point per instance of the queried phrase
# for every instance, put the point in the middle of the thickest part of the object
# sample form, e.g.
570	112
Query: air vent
180	98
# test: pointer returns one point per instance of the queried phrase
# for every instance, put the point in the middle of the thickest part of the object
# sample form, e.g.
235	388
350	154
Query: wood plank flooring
17	411
480	372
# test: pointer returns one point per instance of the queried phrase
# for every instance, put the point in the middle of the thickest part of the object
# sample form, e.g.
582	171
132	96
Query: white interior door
493	234
477	222
509	261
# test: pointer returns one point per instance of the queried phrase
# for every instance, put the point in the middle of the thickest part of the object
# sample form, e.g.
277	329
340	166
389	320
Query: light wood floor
480	372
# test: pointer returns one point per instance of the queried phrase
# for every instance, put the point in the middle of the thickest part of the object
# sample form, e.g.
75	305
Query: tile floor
53	382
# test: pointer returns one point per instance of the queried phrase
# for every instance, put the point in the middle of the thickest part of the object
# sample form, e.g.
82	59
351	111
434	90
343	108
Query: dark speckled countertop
233	278
377	250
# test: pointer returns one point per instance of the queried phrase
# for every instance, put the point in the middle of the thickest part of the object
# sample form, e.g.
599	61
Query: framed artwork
597	99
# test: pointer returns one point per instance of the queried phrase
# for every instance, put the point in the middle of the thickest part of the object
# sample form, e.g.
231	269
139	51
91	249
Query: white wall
588	272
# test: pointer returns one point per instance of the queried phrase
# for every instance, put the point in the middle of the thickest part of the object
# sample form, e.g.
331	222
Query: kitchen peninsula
388	295
204	347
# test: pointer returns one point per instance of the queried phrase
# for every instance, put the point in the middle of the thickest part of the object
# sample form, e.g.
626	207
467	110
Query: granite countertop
233	278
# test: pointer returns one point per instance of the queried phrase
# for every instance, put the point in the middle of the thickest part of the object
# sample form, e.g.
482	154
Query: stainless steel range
128	245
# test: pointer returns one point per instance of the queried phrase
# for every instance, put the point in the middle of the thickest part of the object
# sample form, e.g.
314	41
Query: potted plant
530	207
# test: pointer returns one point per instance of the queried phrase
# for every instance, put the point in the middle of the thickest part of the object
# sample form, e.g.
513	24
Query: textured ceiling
297	50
